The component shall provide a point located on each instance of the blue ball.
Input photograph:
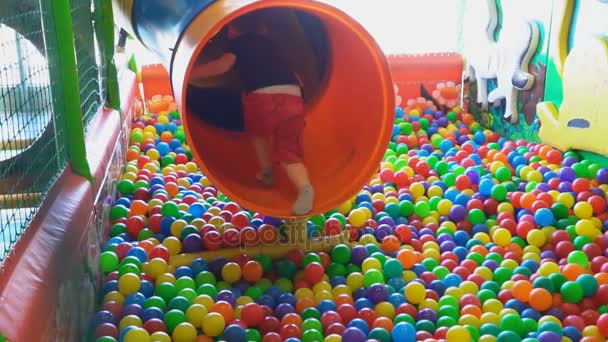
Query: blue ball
(236, 333)
(362, 303)
(267, 300)
(198, 265)
(135, 298)
(326, 305)
(197, 209)
(360, 324)
(146, 288)
(151, 313)
(288, 298)
(544, 217)
(404, 331)
(183, 271)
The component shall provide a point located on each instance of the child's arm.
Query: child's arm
(215, 67)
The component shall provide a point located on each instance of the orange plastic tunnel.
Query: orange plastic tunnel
(346, 84)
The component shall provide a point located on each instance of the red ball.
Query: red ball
(314, 272)
(252, 314)
(330, 317)
(602, 325)
(153, 325)
(580, 185)
(212, 240)
(368, 315)
(249, 236)
(160, 251)
(333, 227)
(231, 238)
(590, 316)
(347, 312)
(135, 224)
(106, 329)
(336, 328)
(601, 294)
(272, 337)
(290, 330)
(269, 324)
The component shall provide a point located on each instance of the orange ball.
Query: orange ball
(132, 155)
(471, 310)
(480, 249)
(291, 318)
(146, 245)
(166, 136)
(521, 290)
(602, 278)
(383, 322)
(252, 271)
(138, 208)
(526, 200)
(224, 309)
(203, 338)
(407, 258)
(304, 303)
(572, 271)
(540, 299)
(390, 244)
(325, 259)
(343, 299)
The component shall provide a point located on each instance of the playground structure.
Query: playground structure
(72, 219)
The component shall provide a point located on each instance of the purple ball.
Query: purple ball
(354, 335)
(387, 221)
(273, 221)
(458, 213)
(427, 314)
(425, 231)
(491, 264)
(444, 237)
(377, 293)
(597, 192)
(602, 176)
(463, 139)
(543, 187)
(192, 243)
(473, 176)
(132, 309)
(216, 265)
(442, 122)
(383, 232)
(569, 161)
(226, 296)
(549, 336)
(358, 254)
(543, 169)
(360, 293)
(564, 187)
(557, 312)
(447, 246)
(283, 309)
(567, 174)
(377, 188)
(522, 186)
(105, 317)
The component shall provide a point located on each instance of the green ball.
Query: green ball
(578, 257)
(253, 335)
(502, 274)
(170, 209)
(499, 192)
(512, 322)
(448, 300)
(446, 321)
(580, 241)
(581, 170)
(551, 326)
(503, 174)
(335, 269)
(560, 211)
(179, 303)
(491, 286)
(128, 268)
(287, 268)
(118, 211)
(392, 209)
(264, 284)
(126, 187)
(309, 313)
(205, 277)
(425, 325)
(422, 209)
(588, 283)
(318, 220)
(572, 292)
(109, 262)
(558, 280)
(406, 208)
(489, 329)
(117, 229)
(485, 295)
(166, 291)
(341, 254)
(403, 317)
(155, 302)
(392, 268)
(476, 216)
(430, 263)
(207, 289)
(379, 256)
(449, 311)
(452, 116)
(372, 277)
(145, 234)
(189, 294)
(380, 335)
(309, 258)
(530, 325)
(185, 283)
(312, 323)
(174, 318)
(131, 260)
(284, 284)
(508, 336)
(312, 335)
(254, 292)
(167, 160)
(544, 283)
(602, 309)
(265, 261)
(441, 272)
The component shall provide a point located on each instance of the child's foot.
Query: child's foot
(265, 177)
(303, 205)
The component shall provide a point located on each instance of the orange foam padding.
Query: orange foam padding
(411, 71)
(47, 283)
(349, 123)
(155, 80)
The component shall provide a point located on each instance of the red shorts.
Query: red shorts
(279, 117)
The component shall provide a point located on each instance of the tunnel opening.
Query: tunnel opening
(349, 105)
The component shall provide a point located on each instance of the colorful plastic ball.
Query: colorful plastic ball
(213, 324)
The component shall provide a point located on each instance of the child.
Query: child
(273, 107)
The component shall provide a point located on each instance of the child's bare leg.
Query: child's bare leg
(298, 174)
(261, 149)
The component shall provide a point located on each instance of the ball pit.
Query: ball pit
(462, 236)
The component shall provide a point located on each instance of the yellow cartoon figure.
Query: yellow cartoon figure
(582, 120)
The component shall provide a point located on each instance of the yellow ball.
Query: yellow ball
(114, 296)
(157, 267)
(583, 210)
(385, 309)
(195, 314)
(137, 335)
(357, 217)
(342, 289)
(591, 330)
(160, 336)
(458, 334)
(505, 207)
(242, 300)
(469, 319)
(408, 276)
(417, 190)
(304, 292)
(130, 320)
(191, 167)
(371, 263)
(435, 191)
(536, 238)
(184, 332)
(166, 278)
(333, 338)
(492, 305)
(585, 228)
(345, 207)
(469, 287)
(322, 295)
(204, 300)
(415, 292)
(429, 303)
(566, 199)
(173, 245)
(454, 292)
(548, 268)
(128, 284)
(487, 338)
(485, 272)
(231, 272)
(321, 286)
(368, 238)
(502, 237)
(213, 324)
(549, 318)
(490, 317)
